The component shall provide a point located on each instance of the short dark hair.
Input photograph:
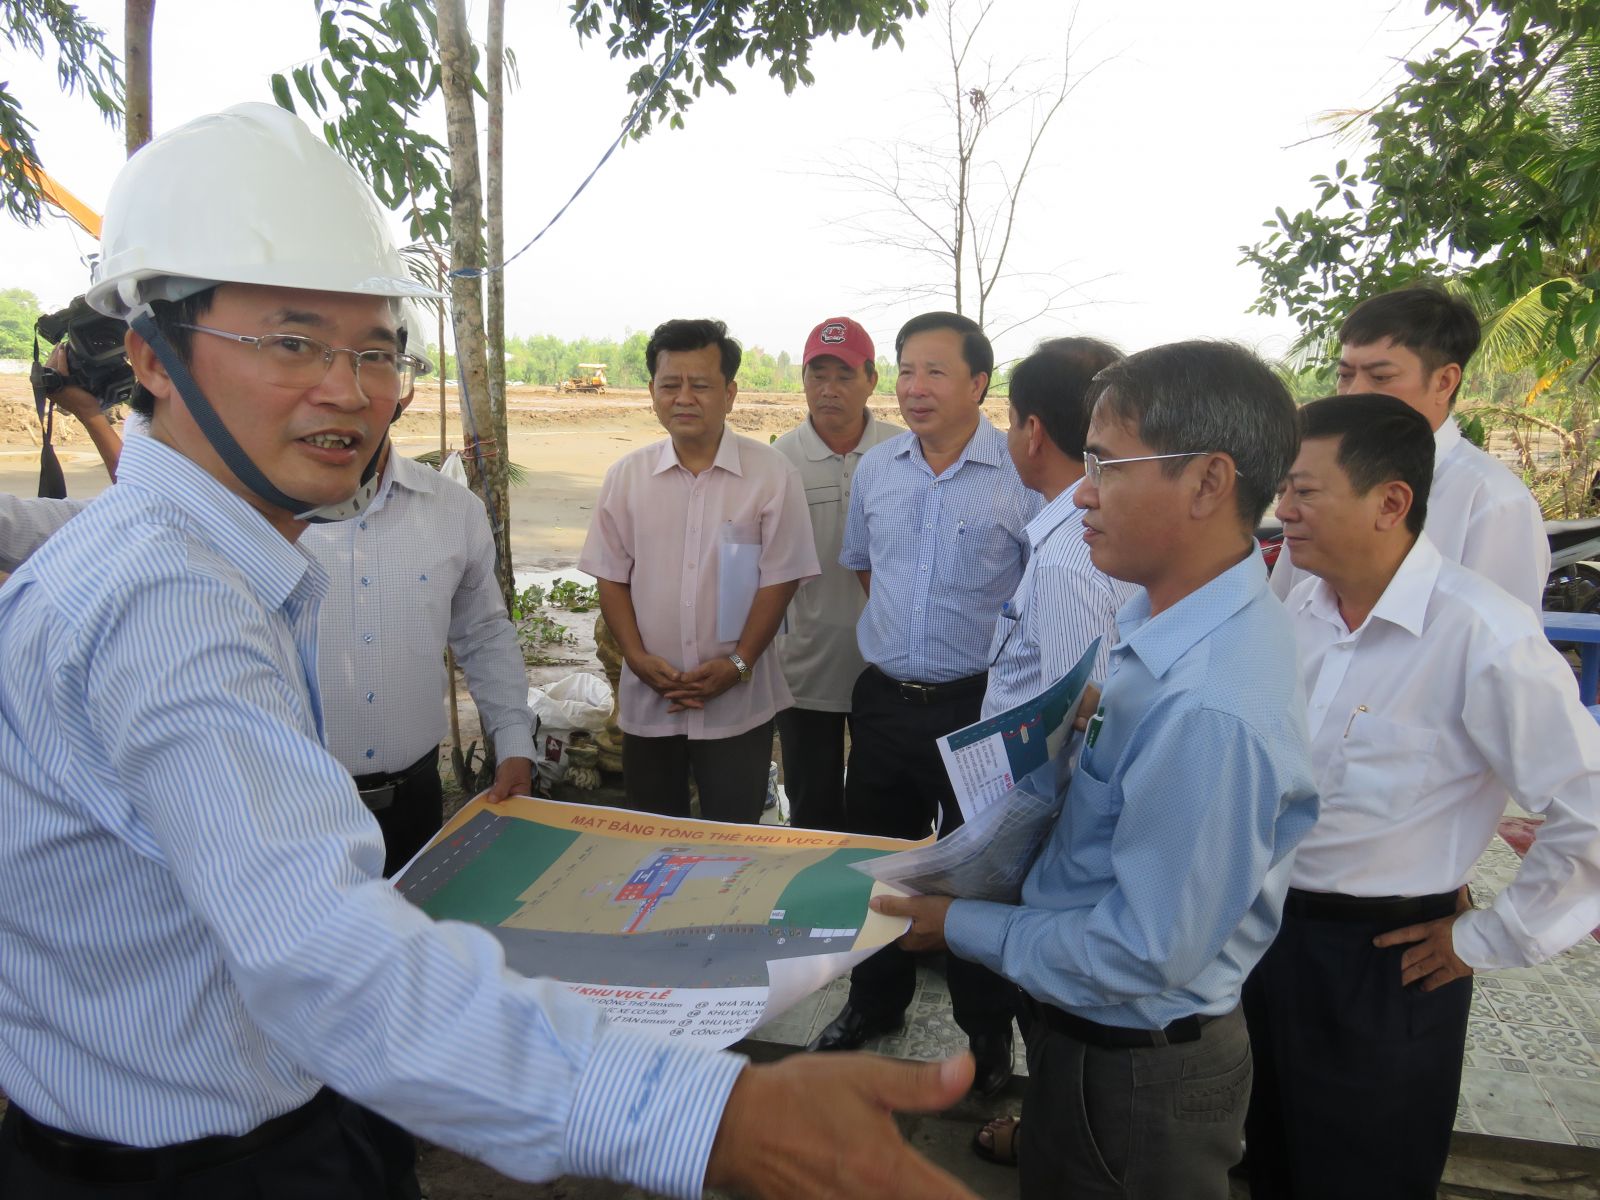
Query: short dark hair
(1207, 397)
(1434, 325)
(1051, 384)
(1381, 439)
(171, 316)
(683, 334)
(976, 351)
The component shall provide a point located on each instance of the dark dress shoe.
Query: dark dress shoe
(852, 1028)
(993, 1054)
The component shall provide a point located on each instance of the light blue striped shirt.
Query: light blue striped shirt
(1163, 881)
(945, 552)
(193, 931)
(1062, 604)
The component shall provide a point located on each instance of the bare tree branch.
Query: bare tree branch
(959, 201)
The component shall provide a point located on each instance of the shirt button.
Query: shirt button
(371, 696)
(365, 581)
(371, 753)
(362, 525)
(367, 638)
(928, 525)
(924, 567)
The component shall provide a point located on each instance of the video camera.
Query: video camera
(94, 349)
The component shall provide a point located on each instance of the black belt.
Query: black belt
(1331, 906)
(1117, 1037)
(933, 693)
(90, 1160)
(378, 790)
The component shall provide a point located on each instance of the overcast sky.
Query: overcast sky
(1167, 158)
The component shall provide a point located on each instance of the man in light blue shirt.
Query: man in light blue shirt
(935, 532)
(195, 938)
(1064, 601)
(1163, 881)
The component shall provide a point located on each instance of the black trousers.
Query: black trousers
(895, 785)
(413, 815)
(730, 772)
(1356, 1077)
(333, 1156)
(813, 766)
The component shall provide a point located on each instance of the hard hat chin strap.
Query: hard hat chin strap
(142, 321)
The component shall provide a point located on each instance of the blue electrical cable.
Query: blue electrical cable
(627, 128)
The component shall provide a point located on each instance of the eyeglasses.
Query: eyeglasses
(1093, 464)
(295, 361)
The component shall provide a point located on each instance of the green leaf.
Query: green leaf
(280, 93)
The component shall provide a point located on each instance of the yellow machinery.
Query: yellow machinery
(589, 377)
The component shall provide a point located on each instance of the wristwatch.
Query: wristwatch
(741, 666)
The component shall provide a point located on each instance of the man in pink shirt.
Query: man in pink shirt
(699, 543)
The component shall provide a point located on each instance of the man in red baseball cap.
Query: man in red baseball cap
(819, 653)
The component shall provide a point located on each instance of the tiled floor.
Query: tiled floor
(1532, 1068)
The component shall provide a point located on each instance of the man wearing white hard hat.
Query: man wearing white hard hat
(194, 933)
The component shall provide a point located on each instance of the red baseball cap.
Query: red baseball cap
(841, 338)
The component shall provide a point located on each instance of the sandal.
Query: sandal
(1005, 1133)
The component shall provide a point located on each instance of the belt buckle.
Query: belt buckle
(379, 798)
(915, 693)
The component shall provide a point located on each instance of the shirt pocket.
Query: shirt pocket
(984, 551)
(1089, 818)
(828, 493)
(1381, 765)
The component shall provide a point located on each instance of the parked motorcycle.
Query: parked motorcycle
(1574, 582)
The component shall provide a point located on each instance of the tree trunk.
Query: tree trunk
(486, 457)
(138, 18)
(497, 221)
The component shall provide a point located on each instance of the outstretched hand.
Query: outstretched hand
(821, 1125)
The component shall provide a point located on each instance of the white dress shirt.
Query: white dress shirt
(1446, 697)
(412, 574)
(1479, 515)
(1061, 605)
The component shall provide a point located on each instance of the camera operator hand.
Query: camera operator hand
(86, 408)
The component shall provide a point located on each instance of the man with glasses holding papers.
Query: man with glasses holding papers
(698, 543)
(1163, 879)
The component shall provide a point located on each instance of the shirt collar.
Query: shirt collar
(1162, 640)
(816, 450)
(987, 445)
(1404, 602)
(1445, 439)
(272, 566)
(727, 455)
(409, 473)
(406, 473)
(1051, 516)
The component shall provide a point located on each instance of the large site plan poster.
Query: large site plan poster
(693, 929)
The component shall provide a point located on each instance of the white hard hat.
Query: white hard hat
(247, 195)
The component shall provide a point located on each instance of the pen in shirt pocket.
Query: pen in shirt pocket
(1357, 711)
